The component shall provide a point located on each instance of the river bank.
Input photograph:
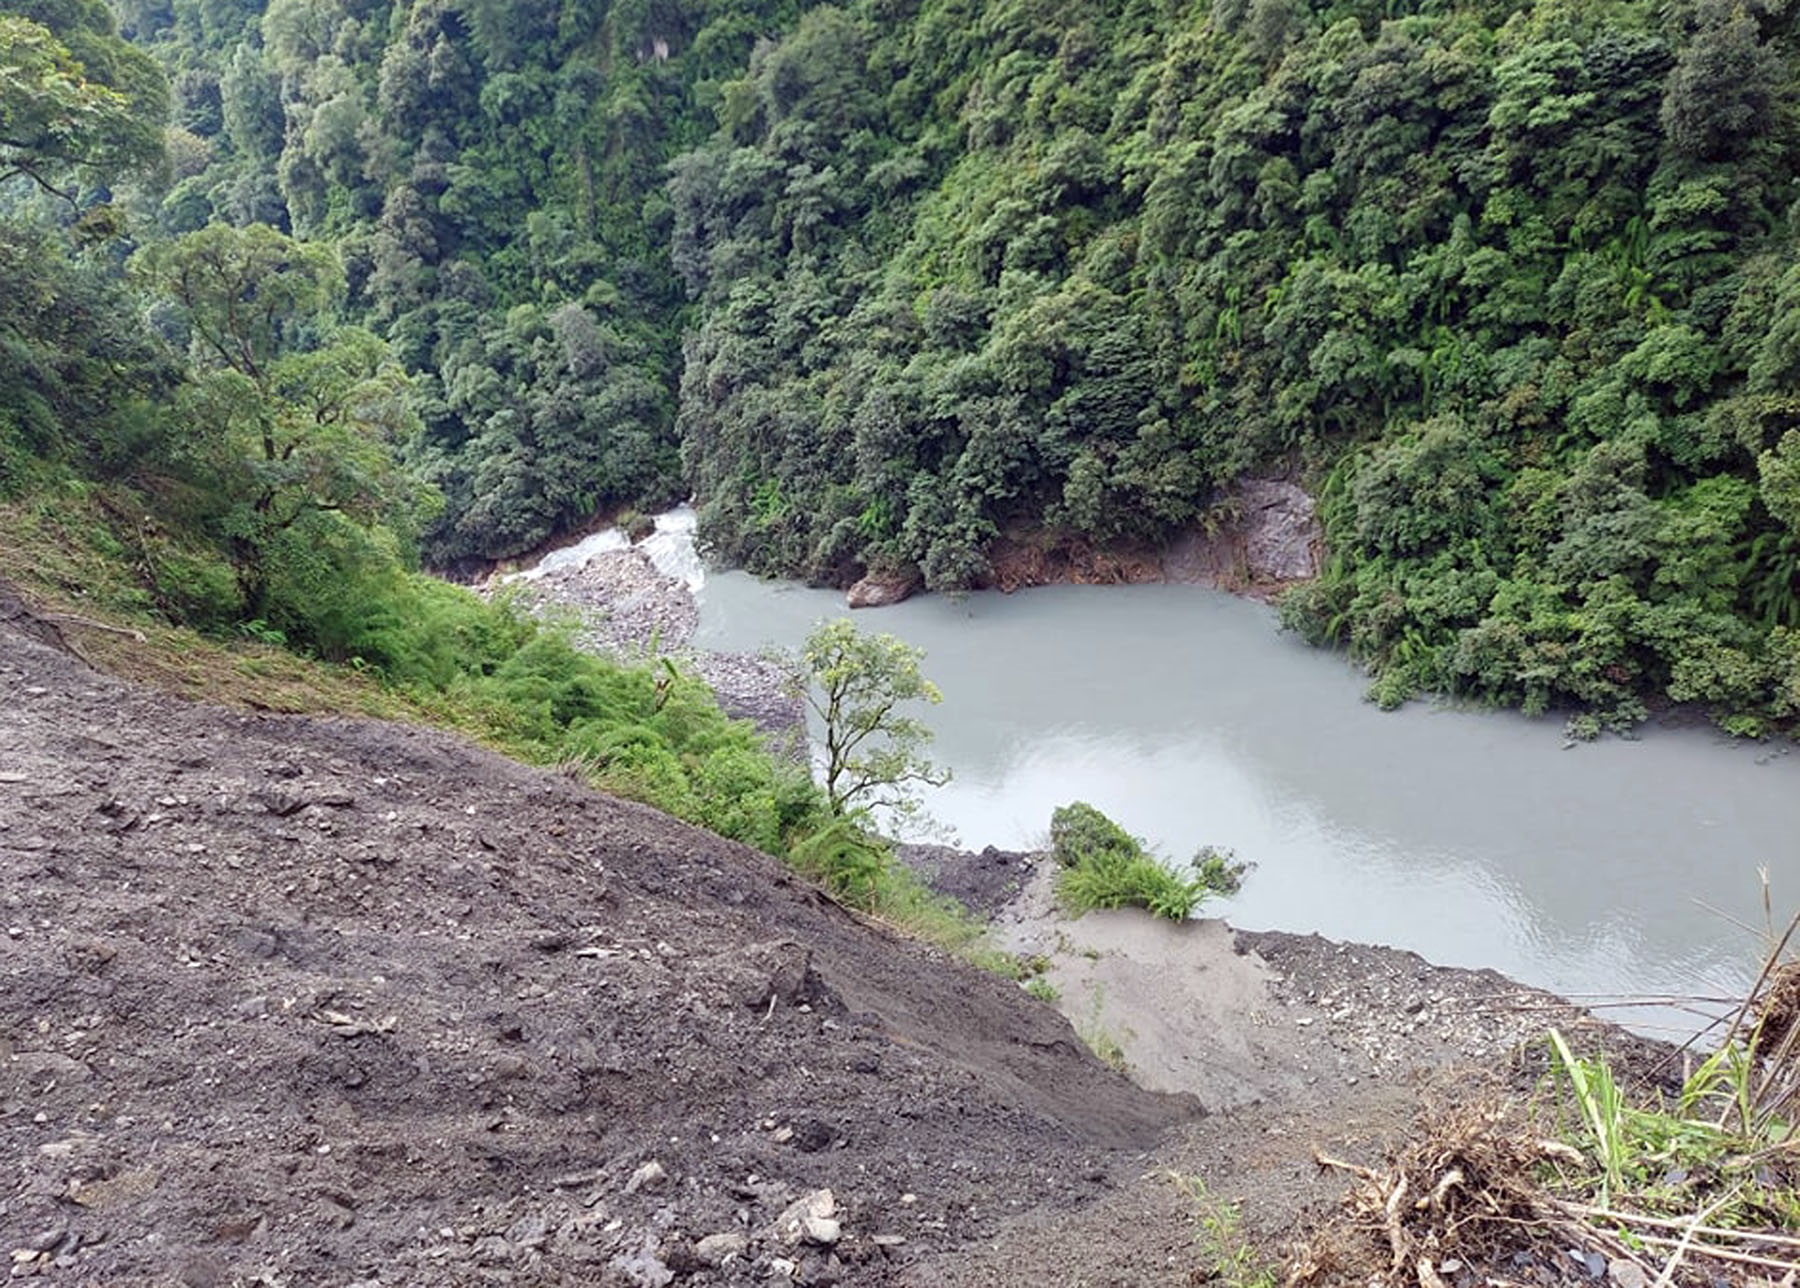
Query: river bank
(1192, 1008)
(626, 608)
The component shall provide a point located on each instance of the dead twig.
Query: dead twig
(73, 620)
(1325, 1160)
(1587, 1211)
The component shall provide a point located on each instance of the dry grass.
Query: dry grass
(1777, 1012)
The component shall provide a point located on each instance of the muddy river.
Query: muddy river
(1619, 869)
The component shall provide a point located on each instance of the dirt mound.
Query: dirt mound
(298, 1001)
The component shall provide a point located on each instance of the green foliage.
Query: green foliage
(886, 285)
(874, 752)
(1103, 866)
(847, 860)
(1710, 1156)
(635, 731)
(79, 382)
(1227, 1256)
(75, 100)
(1078, 831)
(1498, 284)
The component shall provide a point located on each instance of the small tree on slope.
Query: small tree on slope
(874, 753)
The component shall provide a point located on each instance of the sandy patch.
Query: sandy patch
(1188, 1009)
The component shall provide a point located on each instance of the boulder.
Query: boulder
(879, 589)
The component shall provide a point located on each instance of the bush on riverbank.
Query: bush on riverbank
(1104, 866)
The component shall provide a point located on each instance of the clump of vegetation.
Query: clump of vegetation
(1104, 866)
(1043, 989)
(1693, 1185)
(635, 524)
(1228, 1257)
(1102, 1041)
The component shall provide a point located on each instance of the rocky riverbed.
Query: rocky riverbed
(625, 608)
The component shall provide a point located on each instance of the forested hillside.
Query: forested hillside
(491, 175)
(1509, 286)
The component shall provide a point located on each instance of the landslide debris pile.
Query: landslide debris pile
(292, 1000)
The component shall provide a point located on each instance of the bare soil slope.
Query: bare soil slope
(297, 1001)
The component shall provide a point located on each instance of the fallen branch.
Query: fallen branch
(1723, 1254)
(1325, 1160)
(93, 625)
(1665, 1223)
(1391, 1214)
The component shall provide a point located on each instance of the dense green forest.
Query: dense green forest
(335, 285)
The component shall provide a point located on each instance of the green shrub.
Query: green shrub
(1078, 831)
(845, 859)
(1104, 866)
(193, 587)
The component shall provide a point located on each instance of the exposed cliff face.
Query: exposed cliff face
(1270, 538)
(1265, 536)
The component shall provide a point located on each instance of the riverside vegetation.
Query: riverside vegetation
(887, 280)
(1101, 865)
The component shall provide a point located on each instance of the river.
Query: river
(1606, 870)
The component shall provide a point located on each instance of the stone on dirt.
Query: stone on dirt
(718, 1249)
(811, 1218)
(648, 1176)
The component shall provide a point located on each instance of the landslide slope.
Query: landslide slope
(299, 1001)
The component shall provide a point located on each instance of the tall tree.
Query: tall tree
(76, 102)
(300, 416)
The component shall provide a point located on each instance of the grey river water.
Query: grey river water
(1475, 838)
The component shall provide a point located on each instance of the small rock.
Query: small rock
(809, 1219)
(201, 1270)
(717, 1249)
(493, 1249)
(642, 1267)
(647, 1177)
(1627, 1274)
(48, 1239)
(879, 590)
(1592, 1264)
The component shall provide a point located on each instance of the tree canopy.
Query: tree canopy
(76, 101)
(1511, 287)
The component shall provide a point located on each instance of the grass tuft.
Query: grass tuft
(1101, 865)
